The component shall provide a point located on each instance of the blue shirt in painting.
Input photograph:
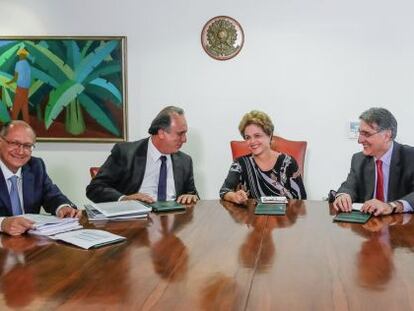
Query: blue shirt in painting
(23, 70)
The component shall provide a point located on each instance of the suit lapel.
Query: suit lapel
(4, 196)
(140, 164)
(28, 188)
(177, 169)
(395, 173)
(370, 178)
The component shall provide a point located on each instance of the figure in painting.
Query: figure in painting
(22, 77)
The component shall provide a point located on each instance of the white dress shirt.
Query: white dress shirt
(152, 174)
(7, 174)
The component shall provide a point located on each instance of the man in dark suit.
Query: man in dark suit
(24, 184)
(150, 169)
(382, 175)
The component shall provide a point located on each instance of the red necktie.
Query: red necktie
(380, 182)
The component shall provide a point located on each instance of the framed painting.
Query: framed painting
(66, 88)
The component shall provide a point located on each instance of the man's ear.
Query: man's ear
(161, 133)
(388, 134)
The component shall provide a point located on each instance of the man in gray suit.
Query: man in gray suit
(151, 169)
(382, 175)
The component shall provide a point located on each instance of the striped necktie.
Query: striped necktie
(162, 181)
(14, 196)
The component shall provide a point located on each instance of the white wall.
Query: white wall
(312, 65)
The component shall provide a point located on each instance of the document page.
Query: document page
(357, 206)
(119, 208)
(88, 238)
(41, 220)
(49, 225)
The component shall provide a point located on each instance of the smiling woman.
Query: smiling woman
(264, 172)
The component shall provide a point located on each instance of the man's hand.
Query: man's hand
(238, 197)
(16, 225)
(343, 203)
(68, 211)
(143, 197)
(376, 207)
(187, 199)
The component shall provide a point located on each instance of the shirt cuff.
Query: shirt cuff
(1, 221)
(121, 197)
(406, 206)
(339, 194)
(61, 206)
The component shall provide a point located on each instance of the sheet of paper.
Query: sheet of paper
(119, 208)
(95, 215)
(87, 238)
(40, 219)
(357, 206)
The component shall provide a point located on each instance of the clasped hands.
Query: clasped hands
(343, 203)
(185, 199)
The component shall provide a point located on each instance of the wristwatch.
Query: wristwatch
(394, 207)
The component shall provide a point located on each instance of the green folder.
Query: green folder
(354, 216)
(166, 206)
(270, 209)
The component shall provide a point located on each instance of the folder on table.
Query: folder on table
(354, 217)
(270, 209)
(166, 206)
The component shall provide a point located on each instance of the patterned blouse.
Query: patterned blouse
(283, 180)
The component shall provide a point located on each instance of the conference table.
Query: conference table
(219, 256)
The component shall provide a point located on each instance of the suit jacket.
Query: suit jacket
(361, 179)
(38, 190)
(123, 173)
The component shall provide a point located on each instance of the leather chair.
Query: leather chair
(296, 149)
(93, 171)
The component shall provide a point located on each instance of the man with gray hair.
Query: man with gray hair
(151, 169)
(382, 175)
(25, 186)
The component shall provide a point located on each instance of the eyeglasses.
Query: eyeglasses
(16, 145)
(368, 134)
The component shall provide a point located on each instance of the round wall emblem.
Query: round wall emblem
(222, 37)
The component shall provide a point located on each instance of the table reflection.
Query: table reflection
(375, 261)
(168, 252)
(258, 249)
(17, 276)
(221, 293)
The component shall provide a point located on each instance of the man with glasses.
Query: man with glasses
(382, 175)
(25, 186)
(151, 169)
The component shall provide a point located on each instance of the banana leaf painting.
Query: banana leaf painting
(66, 88)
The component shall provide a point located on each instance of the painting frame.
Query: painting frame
(77, 89)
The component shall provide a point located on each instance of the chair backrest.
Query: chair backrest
(93, 171)
(296, 149)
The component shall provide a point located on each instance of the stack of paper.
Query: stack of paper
(273, 199)
(119, 210)
(50, 225)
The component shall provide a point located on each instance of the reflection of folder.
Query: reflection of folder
(270, 209)
(354, 216)
(166, 206)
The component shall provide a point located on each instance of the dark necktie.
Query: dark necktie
(14, 196)
(380, 182)
(162, 182)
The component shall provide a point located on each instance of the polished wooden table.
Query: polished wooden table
(218, 256)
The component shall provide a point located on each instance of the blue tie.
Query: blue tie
(14, 196)
(162, 182)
